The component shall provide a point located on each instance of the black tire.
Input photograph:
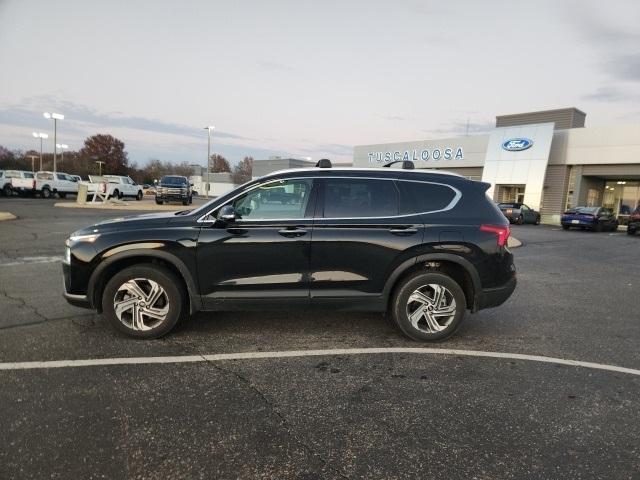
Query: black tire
(597, 227)
(7, 190)
(185, 201)
(115, 194)
(139, 196)
(538, 220)
(159, 202)
(175, 295)
(565, 227)
(46, 192)
(406, 288)
(520, 220)
(614, 227)
(631, 231)
(190, 199)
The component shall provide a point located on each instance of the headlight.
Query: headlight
(89, 238)
(67, 255)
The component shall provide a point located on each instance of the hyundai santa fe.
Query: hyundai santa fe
(422, 245)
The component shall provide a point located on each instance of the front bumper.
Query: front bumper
(172, 197)
(492, 297)
(77, 300)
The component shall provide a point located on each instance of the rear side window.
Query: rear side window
(28, 175)
(419, 197)
(358, 198)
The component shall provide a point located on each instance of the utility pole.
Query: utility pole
(55, 117)
(206, 189)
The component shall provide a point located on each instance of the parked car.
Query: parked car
(174, 188)
(634, 222)
(519, 213)
(49, 184)
(17, 182)
(426, 246)
(592, 218)
(120, 186)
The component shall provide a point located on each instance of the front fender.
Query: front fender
(117, 254)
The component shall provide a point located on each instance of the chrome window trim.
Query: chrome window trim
(453, 203)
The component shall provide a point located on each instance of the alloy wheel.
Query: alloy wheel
(141, 304)
(431, 308)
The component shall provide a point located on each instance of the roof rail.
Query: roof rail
(324, 163)
(406, 164)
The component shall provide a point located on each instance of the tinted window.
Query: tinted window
(354, 198)
(61, 176)
(28, 175)
(173, 180)
(506, 205)
(418, 197)
(284, 200)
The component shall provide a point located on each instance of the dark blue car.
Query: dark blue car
(592, 218)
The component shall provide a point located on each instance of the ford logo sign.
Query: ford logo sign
(517, 144)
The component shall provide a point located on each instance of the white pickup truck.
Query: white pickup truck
(114, 186)
(17, 181)
(51, 183)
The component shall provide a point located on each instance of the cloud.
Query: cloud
(274, 66)
(457, 128)
(610, 94)
(396, 118)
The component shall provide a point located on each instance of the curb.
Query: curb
(6, 216)
(513, 242)
(127, 206)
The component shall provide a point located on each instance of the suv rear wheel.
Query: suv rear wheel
(428, 306)
(143, 301)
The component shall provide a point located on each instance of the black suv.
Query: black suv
(174, 188)
(423, 245)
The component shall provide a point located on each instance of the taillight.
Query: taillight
(501, 231)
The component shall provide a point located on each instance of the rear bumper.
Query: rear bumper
(492, 297)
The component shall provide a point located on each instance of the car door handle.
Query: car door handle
(292, 232)
(403, 230)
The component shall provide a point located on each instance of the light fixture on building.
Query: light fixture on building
(621, 183)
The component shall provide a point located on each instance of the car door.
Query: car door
(359, 238)
(527, 214)
(264, 253)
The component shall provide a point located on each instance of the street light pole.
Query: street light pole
(62, 147)
(100, 163)
(56, 117)
(33, 158)
(208, 128)
(40, 135)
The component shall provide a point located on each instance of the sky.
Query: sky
(306, 78)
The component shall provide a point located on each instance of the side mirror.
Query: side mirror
(227, 214)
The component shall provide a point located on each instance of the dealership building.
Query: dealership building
(548, 160)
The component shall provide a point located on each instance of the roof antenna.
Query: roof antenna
(406, 164)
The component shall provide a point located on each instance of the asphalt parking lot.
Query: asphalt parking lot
(333, 414)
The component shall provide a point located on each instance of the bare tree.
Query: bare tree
(219, 164)
(242, 172)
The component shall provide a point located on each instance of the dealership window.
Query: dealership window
(349, 198)
(593, 197)
(417, 197)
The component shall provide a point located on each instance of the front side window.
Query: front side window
(358, 198)
(281, 200)
(61, 176)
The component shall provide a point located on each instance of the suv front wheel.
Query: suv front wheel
(143, 301)
(428, 306)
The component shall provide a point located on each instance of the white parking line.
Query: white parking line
(218, 357)
(30, 260)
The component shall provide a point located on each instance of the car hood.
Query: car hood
(133, 222)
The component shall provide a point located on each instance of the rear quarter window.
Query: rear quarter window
(420, 197)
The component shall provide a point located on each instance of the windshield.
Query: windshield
(173, 180)
(507, 205)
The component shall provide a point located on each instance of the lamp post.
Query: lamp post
(33, 158)
(55, 117)
(40, 135)
(62, 148)
(100, 163)
(208, 128)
